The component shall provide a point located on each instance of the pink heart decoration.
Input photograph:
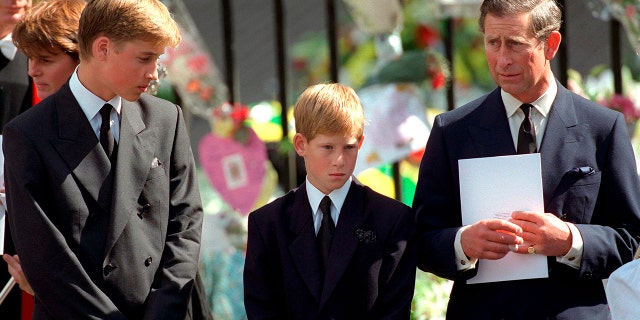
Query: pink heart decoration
(236, 171)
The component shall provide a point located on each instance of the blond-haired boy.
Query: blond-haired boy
(357, 260)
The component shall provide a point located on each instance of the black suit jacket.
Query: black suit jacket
(137, 260)
(371, 273)
(16, 89)
(604, 205)
(16, 95)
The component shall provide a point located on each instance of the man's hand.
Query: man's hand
(490, 239)
(16, 271)
(549, 235)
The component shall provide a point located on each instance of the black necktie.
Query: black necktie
(325, 234)
(527, 132)
(106, 135)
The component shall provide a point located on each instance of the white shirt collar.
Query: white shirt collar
(337, 196)
(7, 47)
(89, 102)
(542, 104)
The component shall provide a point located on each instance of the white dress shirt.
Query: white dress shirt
(7, 47)
(623, 292)
(337, 200)
(91, 105)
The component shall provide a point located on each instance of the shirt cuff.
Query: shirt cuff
(573, 258)
(463, 263)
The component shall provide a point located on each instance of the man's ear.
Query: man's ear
(100, 47)
(300, 144)
(552, 45)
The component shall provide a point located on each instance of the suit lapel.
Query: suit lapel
(344, 243)
(135, 154)
(303, 245)
(78, 145)
(560, 142)
(488, 128)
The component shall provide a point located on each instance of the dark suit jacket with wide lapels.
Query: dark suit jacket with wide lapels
(89, 252)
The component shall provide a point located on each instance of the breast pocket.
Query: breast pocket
(579, 201)
(156, 172)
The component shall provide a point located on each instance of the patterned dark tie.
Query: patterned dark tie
(527, 132)
(106, 135)
(325, 233)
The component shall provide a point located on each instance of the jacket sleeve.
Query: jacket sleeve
(261, 299)
(58, 279)
(174, 280)
(437, 209)
(613, 230)
(398, 271)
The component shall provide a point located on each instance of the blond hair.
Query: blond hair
(127, 20)
(51, 26)
(330, 108)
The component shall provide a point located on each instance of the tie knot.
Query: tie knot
(325, 205)
(105, 112)
(526, 108)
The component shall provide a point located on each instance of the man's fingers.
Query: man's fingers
(504, 226)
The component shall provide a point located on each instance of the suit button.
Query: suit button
(563, 217)
(108, 269)
(147, 262)
(144, 209)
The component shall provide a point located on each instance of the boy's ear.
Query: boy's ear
(361, 141)
(101, 47)
(300, 144)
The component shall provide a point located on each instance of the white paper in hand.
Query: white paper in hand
(492, 188)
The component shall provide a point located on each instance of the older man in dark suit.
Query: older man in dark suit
(591, 224)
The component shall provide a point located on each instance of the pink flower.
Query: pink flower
(198, 64)
(624, 105)
(630, 11)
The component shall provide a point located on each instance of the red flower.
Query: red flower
(240, 113)
(416, 156)
(438, 80)
(206, 93)
(299, 64)
(426, 36)
(193, 85)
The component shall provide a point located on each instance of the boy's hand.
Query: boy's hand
(16, 272)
